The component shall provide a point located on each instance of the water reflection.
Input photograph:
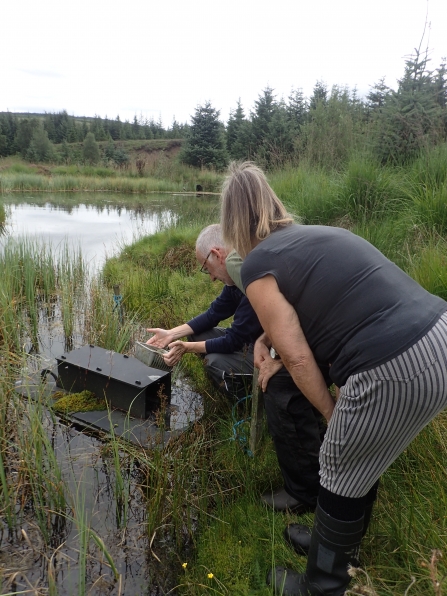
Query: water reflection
(88, 472)
(100, 225)
(98, 229)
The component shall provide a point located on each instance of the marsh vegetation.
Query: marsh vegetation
(185, 517)
(86, 515)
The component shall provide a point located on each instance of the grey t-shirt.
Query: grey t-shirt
(357, 309)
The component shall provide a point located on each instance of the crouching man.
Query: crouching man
(227, 352)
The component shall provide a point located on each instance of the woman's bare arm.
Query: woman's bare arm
(281, 324)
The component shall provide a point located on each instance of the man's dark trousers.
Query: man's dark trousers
(297, 430)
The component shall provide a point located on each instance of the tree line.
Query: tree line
(34, 137)
(325, 129)
(393, 125)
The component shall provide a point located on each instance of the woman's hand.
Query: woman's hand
(281, 324)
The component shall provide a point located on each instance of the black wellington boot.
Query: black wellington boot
(298, 535)
(334, 546)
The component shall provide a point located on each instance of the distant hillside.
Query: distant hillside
(42, 116)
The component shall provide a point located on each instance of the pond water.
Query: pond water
(88, 472)
(100, 227)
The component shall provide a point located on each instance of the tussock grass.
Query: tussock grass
(201, 490)
(308, 194)
(429, 206)
(429, 266)
(430, 169)
(366, 190)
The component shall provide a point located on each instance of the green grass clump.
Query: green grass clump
(430, 169)
(409, 519)
(429, 206)
(19, 168)
(172, 248)
(429, 266)
(159, 278)
(365, 189)
(396, 238)
(84, 401)
(308, 194)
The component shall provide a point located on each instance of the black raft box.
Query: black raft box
(126, 383)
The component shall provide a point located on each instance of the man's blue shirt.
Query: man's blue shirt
(244, 330)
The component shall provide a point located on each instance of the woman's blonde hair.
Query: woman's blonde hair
(250, 209)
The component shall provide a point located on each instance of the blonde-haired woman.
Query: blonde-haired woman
(325, 296)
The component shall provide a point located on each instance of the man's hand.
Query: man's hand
(261, 350)
(268, 367)
(176, 351)
(161, 337)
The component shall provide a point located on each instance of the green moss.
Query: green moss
(85, 401)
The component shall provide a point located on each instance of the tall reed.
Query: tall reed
(40, 473)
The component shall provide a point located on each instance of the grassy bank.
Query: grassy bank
(204, 529)
(160, 174)
(401, 211)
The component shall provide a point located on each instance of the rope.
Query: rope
(240, 437)
(117, 298)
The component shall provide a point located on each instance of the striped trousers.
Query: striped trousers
(380, 411)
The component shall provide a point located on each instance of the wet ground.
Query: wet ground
(72, 562)
(144, 565)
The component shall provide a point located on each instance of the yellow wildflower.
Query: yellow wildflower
(210, 575)
(184, 565)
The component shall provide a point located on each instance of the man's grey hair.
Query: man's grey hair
(210, 237)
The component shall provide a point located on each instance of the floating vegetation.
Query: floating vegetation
(85, 401)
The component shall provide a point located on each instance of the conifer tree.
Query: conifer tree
(66, 153)
(205, 141)
(90, 149)
(280, 138)
(412, 115)
(320, 95)
(378, 96)
(297, 108)
(3, 144)
(8, 125)
(40, 148)
(239, 137)
(440, 83)
(24, 134)
(262, 116)
(97, 128)
(262, 126)
(115, 127)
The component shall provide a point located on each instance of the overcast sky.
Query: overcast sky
(160, 58)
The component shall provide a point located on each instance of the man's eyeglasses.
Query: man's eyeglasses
(202, 268)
